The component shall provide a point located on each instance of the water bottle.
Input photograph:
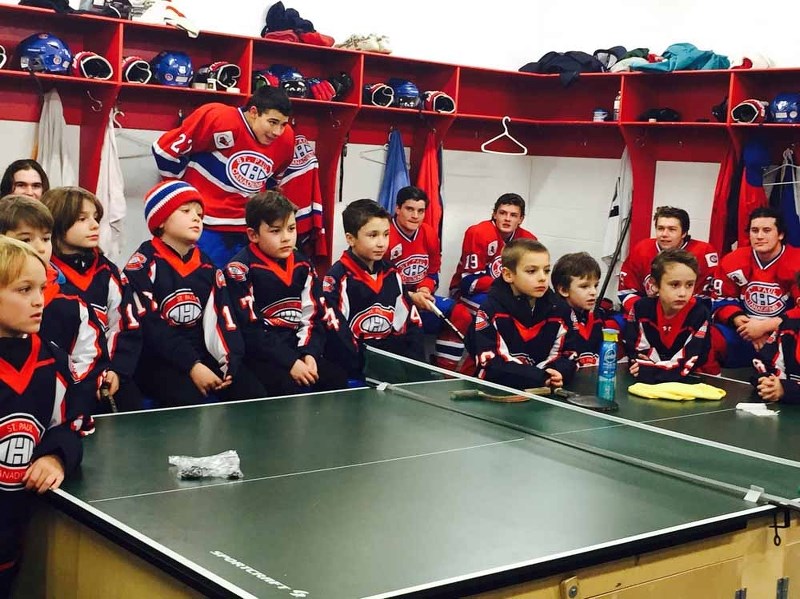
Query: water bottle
(617, 100)
(607, 368)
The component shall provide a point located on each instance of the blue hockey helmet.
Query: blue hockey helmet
(172, 68)
(290, 79)
(406, 93)
(45, 53)
(785, 108)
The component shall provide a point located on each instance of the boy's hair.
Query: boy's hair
(516, 249)
(270, 98)
(65, 204)
(672, 256)
(358, 213)
(671, 212)
(513, 199)
(267, 207)
(7, 182)
(411, 192)
(16, 211)
(766, 212)
(12, 259)
(569, 266)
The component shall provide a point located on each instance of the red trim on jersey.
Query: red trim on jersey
(81, 280)
(670, 326)
(375, 284)
(182, 268)
(585, 330)
(19, 380)
(270, 264)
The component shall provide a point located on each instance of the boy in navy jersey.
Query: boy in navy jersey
(667, 336)
(192, 344)
(40, 446)
(278, 302)
(575, 278)
(364, 294)
(521, 336)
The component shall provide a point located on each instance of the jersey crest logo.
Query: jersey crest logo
(181, 308)
(328, 283)
(587, 359)
(303, 153)
(19, 435)
(237, 271)
(373, 323)
(712, 259)
(492, 248)
(764, 299)
(396, 251)
(413, 269)
(223, 140)
(220, 278)
(136, 262)
(737, 276)
(481, 320)
(496, 267)
(248, 171)
(284, 313)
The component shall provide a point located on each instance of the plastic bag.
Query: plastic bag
(222, 465)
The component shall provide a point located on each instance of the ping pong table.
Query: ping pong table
(402, 491)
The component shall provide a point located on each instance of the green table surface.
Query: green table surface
(369, 493)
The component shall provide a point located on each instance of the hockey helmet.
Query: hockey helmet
(91, 66)
(290, 79)
(136, 70)
(406, 93)
(750, 111)
(172, 68)
(785, 108)
(3, 57)
(45, 53)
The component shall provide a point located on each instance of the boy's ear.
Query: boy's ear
(507, 274)
(350, 239)
(561, 291)
(252, 235)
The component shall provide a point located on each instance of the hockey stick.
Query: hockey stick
(614, 259)
(433, 308)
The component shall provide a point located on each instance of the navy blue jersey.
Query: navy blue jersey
(667, 349)
(186, 308)
(370, 306)
(781, 356)
(514, 341)
(278, 305)
(100, 284)
(587, 328)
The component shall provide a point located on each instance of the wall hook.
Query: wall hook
(97, 105)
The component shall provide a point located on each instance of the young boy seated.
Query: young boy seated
(192, 346)
(364, 294)
(778, 362)
(278, 302)
(39, 445)
(66, 319)
(521, 335)
(575, 278)
(667, 336)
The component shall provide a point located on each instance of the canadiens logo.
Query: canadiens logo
(395, 252)
(237, 271)
(19, 435)
(285, 313)
(220, 278)
(136, 262)
(587, 359)
(481, 320)
(373, 323)
(492, 248)
(712, 259)
(248, 171)
(413, 269)
(649, 286)
(181, 308)
(303, 153)
(737, 276)
(496, 267)
(764, 299)
(328, 284)
(523, 359)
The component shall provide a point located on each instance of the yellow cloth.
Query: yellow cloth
(677, 391)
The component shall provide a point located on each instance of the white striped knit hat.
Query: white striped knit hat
(164, 199)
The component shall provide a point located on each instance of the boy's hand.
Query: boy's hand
(309, 361)
(112, 378)
(422, 298)
(205, 380)
(301, 374)
(770, 388)
(634, 368)
(555, 380)
(45, 473)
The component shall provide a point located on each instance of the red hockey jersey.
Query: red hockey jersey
(417, 257)
(480, 262)
(744, 285)
(216, 151)
(634, 275)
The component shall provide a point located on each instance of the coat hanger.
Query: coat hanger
(364, 154)
(522, 149)
(121, 133)
(788, 153)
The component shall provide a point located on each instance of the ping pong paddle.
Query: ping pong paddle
(591, 402)
(478, 394)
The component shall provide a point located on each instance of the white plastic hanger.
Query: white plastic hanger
(364, 154)
(120, 133)
(522, 149)
(788, 153)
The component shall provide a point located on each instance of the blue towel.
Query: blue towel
(395, 177)
(685, 57)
